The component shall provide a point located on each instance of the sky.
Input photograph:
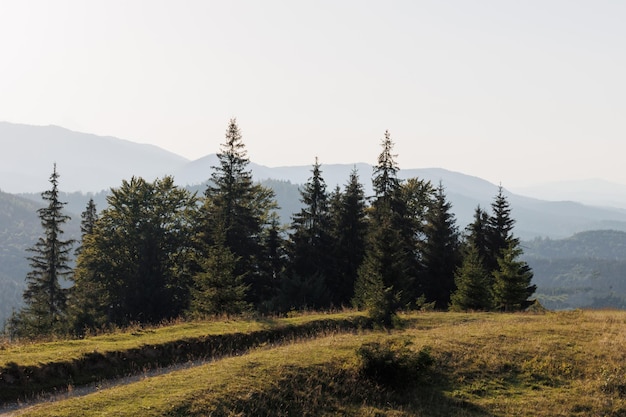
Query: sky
(515, 92)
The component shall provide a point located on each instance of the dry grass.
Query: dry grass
(554, 364)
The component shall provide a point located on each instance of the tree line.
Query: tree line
(158, 251)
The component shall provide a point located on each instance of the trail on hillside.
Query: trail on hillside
(15, 408)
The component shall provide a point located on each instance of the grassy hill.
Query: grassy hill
(439, 364)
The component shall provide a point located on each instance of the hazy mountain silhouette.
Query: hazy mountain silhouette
(85, 162)
(92, 163)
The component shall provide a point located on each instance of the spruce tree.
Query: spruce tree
(310, 253)
(473, 283)
(45, 299)
(218, 289)
(477, 234)
(499, 230)
(440, 251)
(85, 300)
(385, 276)
(512, 286)
(240, 208)
(349, 238)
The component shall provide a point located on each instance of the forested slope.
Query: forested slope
(585, 270)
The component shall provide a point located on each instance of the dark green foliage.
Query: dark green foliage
(273, 262)
(217, 289)
(386, 275)
(311, 247)
(512, 286)
(473, 284)
(45, 300)
(393, 364)
(385, 177)
(349, 231)
(499, 230)
(135, 263)
(439, 251)
(477, 234)
(237, 208)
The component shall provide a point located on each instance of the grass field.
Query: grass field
(485, 364)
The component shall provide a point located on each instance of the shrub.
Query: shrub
(393, 364)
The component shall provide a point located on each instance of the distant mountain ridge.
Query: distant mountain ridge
(85, 162)
(92, 163)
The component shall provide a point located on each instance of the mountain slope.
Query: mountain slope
(85, 162)
(584, 270)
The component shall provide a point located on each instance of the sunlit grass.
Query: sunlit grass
(486, 364)
(26, 354)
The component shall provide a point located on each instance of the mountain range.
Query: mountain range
(91, 163)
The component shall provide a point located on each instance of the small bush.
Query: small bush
(393, 363)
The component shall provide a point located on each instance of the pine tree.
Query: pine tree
(310, 242)
(512, 286)
(385, 276)
(45, 299)
(85, 300)
(477, 234)
(239, 207)
(88, 222)
(499, 230)
(273, 264)
(349, 237)
(218, 289)
(473, 283)
(440, 251)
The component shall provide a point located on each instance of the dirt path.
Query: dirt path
(16, 408)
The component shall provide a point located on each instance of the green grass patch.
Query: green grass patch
(569, 363)
(75, 363)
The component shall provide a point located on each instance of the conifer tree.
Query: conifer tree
(217, 288)
(440, 251)
(310, 242)
(473, 283)
(349, 237)
(273, 264)
(84, 301)
(477, 234)
(385, 278)
(45, 299)
(240, 208)
(512, 286)
(499, 230)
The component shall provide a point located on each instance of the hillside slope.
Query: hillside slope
(85, 162)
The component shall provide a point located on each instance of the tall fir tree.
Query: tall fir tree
(385, 276)
(477, 234)
(46, 309)
(349, 238)
(499, 230)
(238, 208)
(310, 253)
(440, 251)
(84, 301)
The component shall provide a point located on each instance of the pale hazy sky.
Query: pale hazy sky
(517, 92)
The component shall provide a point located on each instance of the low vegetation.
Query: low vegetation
(461, 364)
(31, 369)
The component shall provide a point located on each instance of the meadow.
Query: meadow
(469, 364)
